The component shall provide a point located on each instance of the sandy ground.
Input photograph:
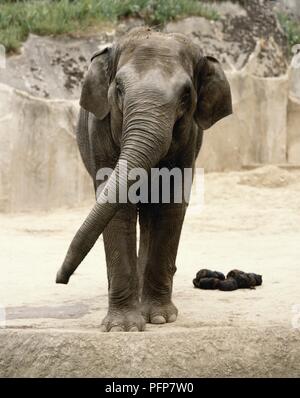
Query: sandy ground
(250, 221)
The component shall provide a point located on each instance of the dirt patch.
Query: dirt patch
(268, 177)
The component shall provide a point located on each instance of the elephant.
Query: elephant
(146, 99)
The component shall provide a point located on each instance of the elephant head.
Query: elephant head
(151, 86)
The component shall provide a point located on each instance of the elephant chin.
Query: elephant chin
(140, 150)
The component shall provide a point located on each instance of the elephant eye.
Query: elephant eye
(186, 95)
(119, 88)
(119, 93)
(185, 99)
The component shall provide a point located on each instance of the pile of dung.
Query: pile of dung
(235, 279)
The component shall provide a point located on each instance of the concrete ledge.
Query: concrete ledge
(208, 352)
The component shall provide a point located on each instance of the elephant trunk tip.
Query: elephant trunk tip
(62, 277)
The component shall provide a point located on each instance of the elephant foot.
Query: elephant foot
(123, 321)
(157, 313)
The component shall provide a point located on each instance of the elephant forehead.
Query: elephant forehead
(158, 52)
(153, 81)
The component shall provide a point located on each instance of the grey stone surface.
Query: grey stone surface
(209, 352)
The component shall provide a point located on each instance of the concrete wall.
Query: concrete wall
(40, 166)
(294, 85)
(257, 130)
(293, 130)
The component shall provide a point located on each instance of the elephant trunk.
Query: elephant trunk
(142, 147)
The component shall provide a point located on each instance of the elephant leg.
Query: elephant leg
(120, 249)
(163, 239)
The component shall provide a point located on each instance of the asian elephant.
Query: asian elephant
(146, 100)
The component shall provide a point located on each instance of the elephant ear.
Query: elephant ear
(213, 93)
(95, 86)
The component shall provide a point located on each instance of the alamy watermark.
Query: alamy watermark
(160, 185)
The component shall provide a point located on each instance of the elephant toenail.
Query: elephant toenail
(158, 319)
(116, 329)
(172, 318)
(133, 329)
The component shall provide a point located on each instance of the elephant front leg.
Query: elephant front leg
(164, 233)
(124, 312)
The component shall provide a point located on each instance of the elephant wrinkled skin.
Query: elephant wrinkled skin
(146, 99)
